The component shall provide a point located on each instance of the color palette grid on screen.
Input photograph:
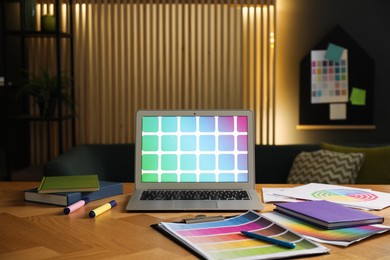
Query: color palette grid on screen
(194, 149)
(223, 239)
(329, 79)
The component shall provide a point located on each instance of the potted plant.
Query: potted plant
(43, 87)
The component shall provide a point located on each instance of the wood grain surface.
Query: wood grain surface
(37, 231)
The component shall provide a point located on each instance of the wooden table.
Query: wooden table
(36, 231)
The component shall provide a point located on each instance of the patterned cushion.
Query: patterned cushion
(325, 166)
(376, 166)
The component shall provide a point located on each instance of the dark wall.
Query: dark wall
(301, 24)
(2, 101)
(14, 134)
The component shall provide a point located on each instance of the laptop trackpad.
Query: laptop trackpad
(190, 204)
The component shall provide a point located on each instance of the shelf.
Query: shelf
(32, 139)
(39, 118)
(38, 34)
(336, 127)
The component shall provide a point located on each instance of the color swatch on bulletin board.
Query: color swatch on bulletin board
(329, 79)
(334, 52)
(223, 239)
(358, 97)
(359, 73)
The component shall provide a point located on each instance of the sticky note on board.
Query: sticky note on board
(358, 97)
(338, 111)
(334, 52)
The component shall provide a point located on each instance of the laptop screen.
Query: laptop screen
(194, 149)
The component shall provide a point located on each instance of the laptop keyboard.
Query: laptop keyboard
(194, 195)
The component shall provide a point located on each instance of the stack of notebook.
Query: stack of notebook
(328, 215)
(66, 190)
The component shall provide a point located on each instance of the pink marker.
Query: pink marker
(76, 205)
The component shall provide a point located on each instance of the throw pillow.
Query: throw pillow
(324, 166)
(376, 166)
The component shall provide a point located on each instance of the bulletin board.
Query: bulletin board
(337, 84)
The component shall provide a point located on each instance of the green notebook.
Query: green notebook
(76, 183)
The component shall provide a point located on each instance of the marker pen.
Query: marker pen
(76, 205)
(103, 208)
(269, 239)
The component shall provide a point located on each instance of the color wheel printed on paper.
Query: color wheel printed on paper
(344, 195)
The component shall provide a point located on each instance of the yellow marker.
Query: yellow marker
(103, 208)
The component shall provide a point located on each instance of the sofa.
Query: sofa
(115, 162)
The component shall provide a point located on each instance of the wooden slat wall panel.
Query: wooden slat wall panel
(176, 54)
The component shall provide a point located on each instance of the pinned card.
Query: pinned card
(358, 97)
(334, 52)
(338, 111)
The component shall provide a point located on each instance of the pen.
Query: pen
(102, 208)
(76, 205)
(269, 239)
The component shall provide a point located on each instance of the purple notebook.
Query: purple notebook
(328, 215)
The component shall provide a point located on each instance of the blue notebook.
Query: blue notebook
(107, 189)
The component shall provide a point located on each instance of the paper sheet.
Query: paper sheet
(338, 111)
(351, 197)
(270, 195)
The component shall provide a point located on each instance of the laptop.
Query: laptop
(194, 161)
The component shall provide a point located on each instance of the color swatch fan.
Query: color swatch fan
(224, 240)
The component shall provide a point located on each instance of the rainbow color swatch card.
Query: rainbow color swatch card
(329, 78)
(223, 239)
(339, 237)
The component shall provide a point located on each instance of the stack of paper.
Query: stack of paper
(328, 215)
(339, 237)
(351, 197)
